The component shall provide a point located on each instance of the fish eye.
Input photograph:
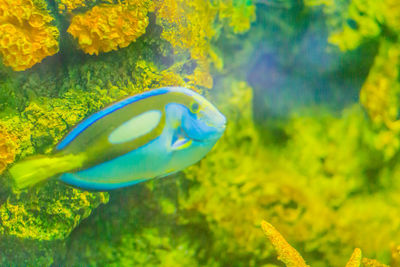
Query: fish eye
(194, 107)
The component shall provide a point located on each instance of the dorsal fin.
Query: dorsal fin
(104, 112)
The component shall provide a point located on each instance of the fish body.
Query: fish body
(149, 135)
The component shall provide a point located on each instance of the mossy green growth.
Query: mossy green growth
(50, 213)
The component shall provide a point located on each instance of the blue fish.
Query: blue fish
(145, 136)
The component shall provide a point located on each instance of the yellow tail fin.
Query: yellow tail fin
(37, 169)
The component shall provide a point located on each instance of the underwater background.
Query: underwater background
(311, 91)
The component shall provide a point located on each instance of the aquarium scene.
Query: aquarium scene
(200, 133)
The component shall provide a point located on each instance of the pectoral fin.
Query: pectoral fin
(180, 140)
(181, 143)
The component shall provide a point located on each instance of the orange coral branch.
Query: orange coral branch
(8, 148)
(355, 259)
(286, 253)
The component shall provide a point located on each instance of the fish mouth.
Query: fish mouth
(186, 135)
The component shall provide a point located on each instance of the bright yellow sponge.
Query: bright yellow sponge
(8, 148)
(26, 34)
(105, 28)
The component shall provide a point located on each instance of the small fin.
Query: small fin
(180, 140)
(181, 143)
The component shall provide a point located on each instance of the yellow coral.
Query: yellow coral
(70, 5)
(379, 95)
(291, 258)
(379, 91)
(286, 253)
(187, 25)
(365, 17)
(395, 255)
(8, 148)
(391, 13)
(105, 28)
(372, 263)
(239, 13)
(26, 218)
(355, 259)
(26, 34)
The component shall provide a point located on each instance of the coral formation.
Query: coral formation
(379, 95)
(68, 5)
(286, 253)
(362, 23)
(27, 35)
(358, 21)
(51, 214)
(189, 27)
(105, 28)
(379, 92)
(291, 258)
(355, 259)
(239, 13)
(372, 263)
(8, 148)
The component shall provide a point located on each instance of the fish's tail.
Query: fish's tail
(37, 169)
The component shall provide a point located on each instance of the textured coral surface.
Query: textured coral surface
(27, 36)
(105, 28)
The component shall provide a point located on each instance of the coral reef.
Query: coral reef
(27, 35)
(107, 27)
(325, 178)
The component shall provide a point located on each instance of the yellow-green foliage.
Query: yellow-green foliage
(189, 27)
(354, 22)
(361, 23)
(48, 214)
(161, 251)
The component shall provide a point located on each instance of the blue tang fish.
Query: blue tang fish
(145, 136)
